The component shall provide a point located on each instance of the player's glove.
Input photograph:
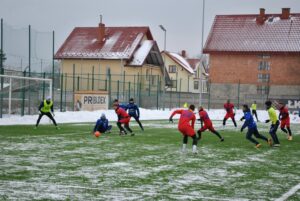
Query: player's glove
(267, 121)
(170, 119)
(242, 129)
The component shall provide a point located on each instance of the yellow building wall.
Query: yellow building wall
(187, 79)
(84, 69)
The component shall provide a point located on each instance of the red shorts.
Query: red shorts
(207, 126)
(285, 123)
(187, 130)
(229, 115)
(125, 120)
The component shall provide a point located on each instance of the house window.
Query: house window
(174, 83)
(264, 56)
(264, 65)
(263, 78)
(172, 69)
(196, 84)
(263, 89)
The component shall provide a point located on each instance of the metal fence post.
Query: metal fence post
(129, 91)
(93, 72)
(44, 76)
(73, 86)
(179, 93)
(61, 90)
(239, 84)
(109, 92)
(208, 105)
(118, 89)
(88, 82)
(66, 79)
(123, 84)
(157, 92)
(1, 69)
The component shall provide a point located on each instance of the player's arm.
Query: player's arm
(52, 110)
(96, 126)
(137, 110)
(41, 105)
(246, 123)
(173, 114)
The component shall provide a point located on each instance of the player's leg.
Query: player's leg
(258, 135)
(122, 130)
(233, 120)
(126, 125)
(199, 132)
(212, 129)
(289, 129)
(195, 142)
(108, 129)
(249, 136)
(39, 119)
(184, 142)
(138, 121)
(189, 131)
(273, 134)
(282, 126)
(48, 114)
(225, 119)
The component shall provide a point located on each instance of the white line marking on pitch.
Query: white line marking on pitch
(288, 194)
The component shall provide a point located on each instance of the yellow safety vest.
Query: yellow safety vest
(47, 107)
(253, 106)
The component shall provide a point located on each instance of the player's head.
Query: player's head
(103, 117)
(268, 104)
(200, 109)
(116, 106)
(254, 102)
(228, 100)
(280, 105)
(116, 101)
(131, 100)
(246, 108)
(48, 99)
(192, 107)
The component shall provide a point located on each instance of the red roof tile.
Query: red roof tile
(120, 43)
(241, 33)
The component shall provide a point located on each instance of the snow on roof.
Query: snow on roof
(119, 43)
(241, 33)
(141, 54)
(181, 61)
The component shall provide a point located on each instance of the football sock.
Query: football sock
(217, 134)
(290, 132)
(284, 130)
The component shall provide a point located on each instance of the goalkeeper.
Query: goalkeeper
(46, 108)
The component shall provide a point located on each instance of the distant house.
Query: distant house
(261, 52)
(185, 73)
(122, 54)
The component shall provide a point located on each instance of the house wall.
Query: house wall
(187, 79)
(227, 71)
(84, 69)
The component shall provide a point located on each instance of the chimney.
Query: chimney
(183, 53)
(101, 31)
(285, 14)
(260, 19)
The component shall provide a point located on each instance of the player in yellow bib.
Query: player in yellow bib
(274, 123)
(45, 108)
(254, 112)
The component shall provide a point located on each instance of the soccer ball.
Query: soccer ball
(97, 134)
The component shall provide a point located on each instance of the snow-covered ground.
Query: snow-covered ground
(84, 116)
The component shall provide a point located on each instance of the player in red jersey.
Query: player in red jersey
(284, 118)
(123, 118)
(204, 118)
(185, 127)
(229, 107)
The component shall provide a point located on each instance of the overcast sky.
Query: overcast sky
(181, 18)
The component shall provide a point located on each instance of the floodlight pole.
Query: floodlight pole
(164, 72)
(200, 76)
(1, 69)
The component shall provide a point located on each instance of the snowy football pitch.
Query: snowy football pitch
(71, 164)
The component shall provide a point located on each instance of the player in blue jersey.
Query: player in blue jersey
(133, 111)
(102, 125)
(252, 128)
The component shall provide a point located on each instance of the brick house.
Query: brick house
(257, 55)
